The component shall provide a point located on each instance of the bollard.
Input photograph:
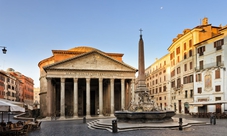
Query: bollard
(84, 119)
(180, 124)
(212, 119)
(114, 126)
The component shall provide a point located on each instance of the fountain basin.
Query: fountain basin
(143, 117)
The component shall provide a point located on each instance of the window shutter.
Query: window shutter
(215, 44)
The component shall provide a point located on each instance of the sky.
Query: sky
(31, 29)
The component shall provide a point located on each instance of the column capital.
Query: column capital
(100, 79)
(88, 79)
(111, 79)
(48, 78)
(133, 80)
(75, 80)
(62, 80)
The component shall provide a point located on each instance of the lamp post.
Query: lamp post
(4, 49)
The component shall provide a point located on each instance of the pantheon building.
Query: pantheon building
(84, 81)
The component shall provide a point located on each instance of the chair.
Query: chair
(24, 130)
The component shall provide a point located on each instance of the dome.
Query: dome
(83, 49)
(10, 70)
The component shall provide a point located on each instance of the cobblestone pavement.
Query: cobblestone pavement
(78, 128)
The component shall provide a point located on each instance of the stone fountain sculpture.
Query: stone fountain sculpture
(143, 108)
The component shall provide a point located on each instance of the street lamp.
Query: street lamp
(4, 49)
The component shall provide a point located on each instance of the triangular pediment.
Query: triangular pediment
(94, 60)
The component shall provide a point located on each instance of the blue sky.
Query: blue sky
(30, 29)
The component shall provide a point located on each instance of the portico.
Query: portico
(92, 84)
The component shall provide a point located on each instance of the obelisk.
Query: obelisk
(141, 86)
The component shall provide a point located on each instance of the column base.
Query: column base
(101, 115)
(48, 118)
(112, 115)
(75, 117)
(62, 118)
(88, 116)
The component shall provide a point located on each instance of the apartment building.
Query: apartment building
(210, 72)
(182, 63)
(157, 81)
(15, 86)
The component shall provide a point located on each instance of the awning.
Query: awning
(207, 103)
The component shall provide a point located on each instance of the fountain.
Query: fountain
(143, 108)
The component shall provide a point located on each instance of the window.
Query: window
(173, 84)
(178, 50)
(199, 90)
(218, 60)
(156, 90)
(164, 63)
(190, 78)
(185, 46)
(190, 43)
(198, 77)
(190, 53)
(185, 55)
(190, 65)
(178, 58)
(217, 73)
(160, 89)
(160, 98)
(173, 73)
(201, 50)
(218, 44)
(185, 80)
(217, 98)
(191, 93)
(217, 88)
(164, 88)
(186, 94)
(201, 64)
(178, 70)
(185, 67)
(178, 83)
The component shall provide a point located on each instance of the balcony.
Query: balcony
(210, 65)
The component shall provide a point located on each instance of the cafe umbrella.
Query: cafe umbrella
(9, 107)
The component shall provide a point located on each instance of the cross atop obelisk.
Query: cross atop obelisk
(140, 31)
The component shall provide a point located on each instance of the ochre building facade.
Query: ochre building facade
(84, 81)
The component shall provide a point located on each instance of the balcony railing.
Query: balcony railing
(210, 65)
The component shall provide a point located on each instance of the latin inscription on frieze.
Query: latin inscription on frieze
(93, 74)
